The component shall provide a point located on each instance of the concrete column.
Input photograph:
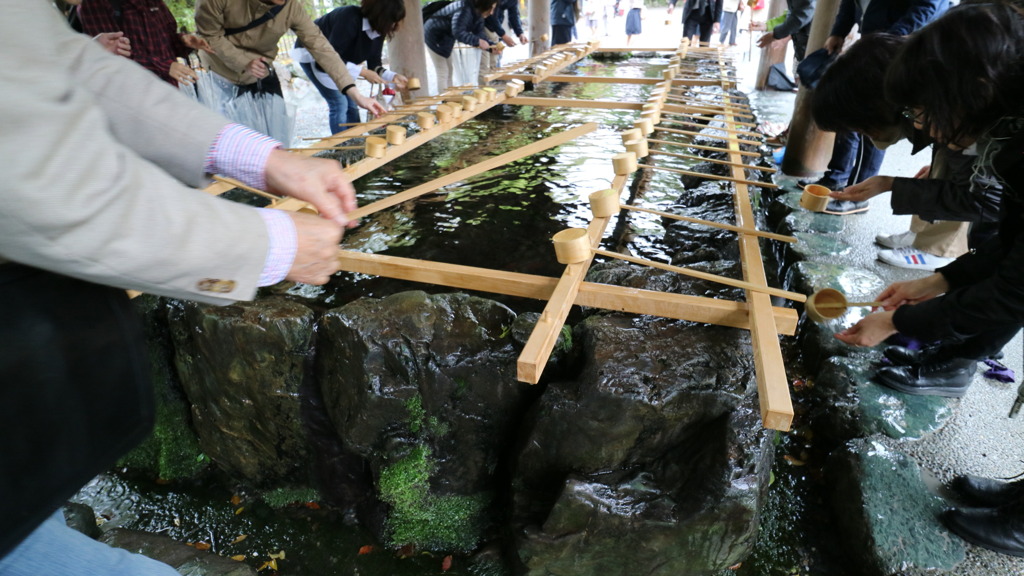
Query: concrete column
(809, 149)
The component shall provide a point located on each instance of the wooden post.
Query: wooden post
(808, 149)
(406, 52)
(539, 32)
(773, 54)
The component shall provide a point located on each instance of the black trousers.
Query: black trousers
(74, 380)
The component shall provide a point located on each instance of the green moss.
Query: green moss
(416, 413)
(424, 519)
(172, 451)
(565, 339)
(281, 497)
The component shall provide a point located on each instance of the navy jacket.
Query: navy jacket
(511, 8)
(900, 17)
(715, 7)
(562, 13)
(456, 21)
(343, 28)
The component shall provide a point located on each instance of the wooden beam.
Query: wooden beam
(702, 134)
(480, 167)
(689, 109)
(587, 79)
(571, 103)
(722, 128)
(770, 369)
(712, 160)
(711, 176)
(702, 147)
(721, 225)
(605, 296)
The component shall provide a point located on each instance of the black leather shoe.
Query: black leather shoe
(842, 207)
(949, 378)
(902, 356)
(999, 529)
(986, 492)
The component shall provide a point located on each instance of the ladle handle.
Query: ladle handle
(795, 296)
(847, 305)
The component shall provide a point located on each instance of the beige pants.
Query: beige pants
(944, 238)
(488, 62)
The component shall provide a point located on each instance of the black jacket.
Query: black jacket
(987, 286)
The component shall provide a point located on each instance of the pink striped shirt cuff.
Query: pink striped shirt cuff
(284, 243)
(241, 153)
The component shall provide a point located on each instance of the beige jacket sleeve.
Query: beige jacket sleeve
(235, 52)
(93, 148)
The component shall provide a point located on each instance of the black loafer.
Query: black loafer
(1000, 529)
(986, 492)
(949, 378)
(842, 207)
(902, 356)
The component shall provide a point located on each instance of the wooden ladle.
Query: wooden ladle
(828, 304)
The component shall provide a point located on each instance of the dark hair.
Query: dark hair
(481, 6)
(963, 70)
(384, 16)
(849, 96)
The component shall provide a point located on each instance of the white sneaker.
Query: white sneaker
(904, 240)
(913, 259)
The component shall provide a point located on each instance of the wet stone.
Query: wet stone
(885, 511)
(850, 405)
(187, 560)
(818, 246)
(246, 406)
(650, 461)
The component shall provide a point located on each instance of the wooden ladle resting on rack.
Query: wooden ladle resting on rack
(828, 304)
(572, 246)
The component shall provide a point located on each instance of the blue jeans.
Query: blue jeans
(340, 108)
(53, 549)
(729, 24)
(854, 159)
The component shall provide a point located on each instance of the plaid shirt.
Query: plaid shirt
(148, 24)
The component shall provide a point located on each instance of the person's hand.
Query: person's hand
(483, 44)
(833, 44)
(371, 76)
(258, 68)
(317, 256)
(864, 190)
(913, 291)
(923, 172)
(182, 73)
(401, 82)
(715, 29)
(197, 43)
(671, 7)
(870, 331)
(319, 181)
(115, 43)
(522, 39)
(367, 103)
(509, 40)
(767, 39)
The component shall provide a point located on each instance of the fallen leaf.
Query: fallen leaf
(278, 556)
(446, 564)
(271, 564)
(366, 549)
(239, 511)
(202, 546)
(238, 557)
(736, 566)
(793, 461)
(236, 500)
(240, 538)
